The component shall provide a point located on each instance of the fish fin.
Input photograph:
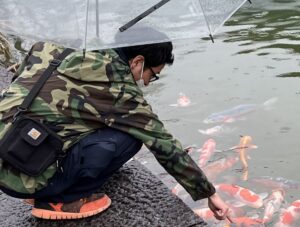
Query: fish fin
(232, 148)
(252, 146)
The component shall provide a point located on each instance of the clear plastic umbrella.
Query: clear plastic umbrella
(100, 24)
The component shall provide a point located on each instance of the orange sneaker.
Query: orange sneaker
(29, 201)
(82, 208)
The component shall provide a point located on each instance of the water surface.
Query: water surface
(255, 58)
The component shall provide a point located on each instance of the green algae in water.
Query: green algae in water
(287, 75)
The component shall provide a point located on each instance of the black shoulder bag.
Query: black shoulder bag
(29, 146)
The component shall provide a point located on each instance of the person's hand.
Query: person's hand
(219, 207)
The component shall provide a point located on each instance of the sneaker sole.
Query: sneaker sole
(29, 201)
(56, 215)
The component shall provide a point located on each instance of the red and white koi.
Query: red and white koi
(277, 182)
(215, 131)
(290, 216)
(215, 168)
(211, 131)
(273, 204)
(182, 101)
(207, 151)
(205, 213)
(243, 195)
(247, 221)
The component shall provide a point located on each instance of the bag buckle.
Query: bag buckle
(55, 62)
(19, 111)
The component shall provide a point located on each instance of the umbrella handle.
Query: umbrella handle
(143, 15)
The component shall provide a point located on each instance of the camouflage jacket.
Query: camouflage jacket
(84, 95)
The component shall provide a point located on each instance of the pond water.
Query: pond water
(254, 60)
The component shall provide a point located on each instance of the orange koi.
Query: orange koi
(245, 143)
(207, 150)
(243, 195)
(290, 215)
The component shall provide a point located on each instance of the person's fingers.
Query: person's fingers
(229, 216)
(222, 214)
(230, 219)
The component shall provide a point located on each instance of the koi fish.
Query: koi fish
(277, 182)
(215, 168)
(273, 204)
(290, 215)
(243, 195)
(215, 131)
(182, 101)
(206, 214)
(247, 221)
(245, 143)
(207, 151)
(236, 112)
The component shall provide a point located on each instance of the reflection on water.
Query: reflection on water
(272, 22)
(277, 26)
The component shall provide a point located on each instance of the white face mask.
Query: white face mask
(141, 82)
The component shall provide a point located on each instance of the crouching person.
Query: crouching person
(95, 105)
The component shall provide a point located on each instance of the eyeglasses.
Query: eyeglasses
(154, 77)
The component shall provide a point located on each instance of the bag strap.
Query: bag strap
(40, 83)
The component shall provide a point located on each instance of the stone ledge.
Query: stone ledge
(138, 199)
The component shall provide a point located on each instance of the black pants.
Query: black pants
(87, 166)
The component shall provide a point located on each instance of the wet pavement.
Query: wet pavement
(138, 199)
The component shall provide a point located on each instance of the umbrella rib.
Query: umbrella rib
(207, 24)
(143, 15)
(231, 14)
(86, 26)
(97, 18)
